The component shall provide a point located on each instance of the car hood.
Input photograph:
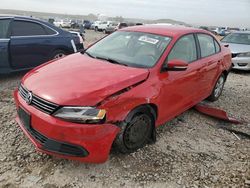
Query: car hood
(238, 48)
(81, 80)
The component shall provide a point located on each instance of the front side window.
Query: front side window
(135, 49)
(25, 28)
(207, 45)
(184, 49)
(4, 27)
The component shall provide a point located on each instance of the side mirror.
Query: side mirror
(175, 65)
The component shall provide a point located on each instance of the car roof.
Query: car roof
(23, 17)
(2, 16)
(171, 31)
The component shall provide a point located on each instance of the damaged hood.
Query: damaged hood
(81, 80)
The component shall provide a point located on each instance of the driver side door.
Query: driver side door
(182, 89)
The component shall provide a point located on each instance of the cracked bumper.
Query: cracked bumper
(92, 141)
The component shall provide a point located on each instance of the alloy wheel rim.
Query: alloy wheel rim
(219, 86)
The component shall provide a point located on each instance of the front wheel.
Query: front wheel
(218, 88)
(135, 134)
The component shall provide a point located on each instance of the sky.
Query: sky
(232, 13)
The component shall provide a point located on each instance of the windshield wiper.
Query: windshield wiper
(111, 61)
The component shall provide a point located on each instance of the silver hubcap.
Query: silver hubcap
(219, 87)
(60, 55)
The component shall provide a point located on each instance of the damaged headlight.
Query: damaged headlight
(81, 114)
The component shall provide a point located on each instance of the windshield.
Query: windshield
(134, 49)
(237, 38)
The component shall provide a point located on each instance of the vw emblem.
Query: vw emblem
(28, 98)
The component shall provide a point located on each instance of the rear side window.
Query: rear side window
(217, 46)
(49, 31)
(207, 45)
(184, 49)
(4, 27)
(25, 28)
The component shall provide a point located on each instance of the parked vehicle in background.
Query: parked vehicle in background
(62, 23)
(115, 26)
(26, 43)
(95, 24)
(239, 43)
(75, 24)
(222, 31)
(51, 20)
(72, 107)
(87, 24)
(81, 37)
(103, 25)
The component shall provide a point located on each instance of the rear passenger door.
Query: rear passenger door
(4, 43)
(30, 44)
(209, 55)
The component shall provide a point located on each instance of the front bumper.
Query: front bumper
(83, 142)
(241, 63)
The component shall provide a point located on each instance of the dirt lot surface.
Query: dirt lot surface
(191, 150)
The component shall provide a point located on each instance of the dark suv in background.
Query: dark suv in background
(27, 42)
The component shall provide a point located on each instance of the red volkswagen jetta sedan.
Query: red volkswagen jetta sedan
(119, 90)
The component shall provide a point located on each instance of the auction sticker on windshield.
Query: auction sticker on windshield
(148, 40)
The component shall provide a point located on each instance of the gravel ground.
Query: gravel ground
(191, 150)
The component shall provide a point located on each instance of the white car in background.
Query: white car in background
(95, 24)
(80, 35)
(62, 23)
(239, 43)
(103, 25)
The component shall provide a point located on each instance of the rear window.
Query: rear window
(217, 46)
(25, 28)
(4, 27)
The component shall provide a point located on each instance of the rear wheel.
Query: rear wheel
(96, 29)
(218, 88)
(135, 134)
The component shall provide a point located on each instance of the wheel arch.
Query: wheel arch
(150, 107)
(225, 72)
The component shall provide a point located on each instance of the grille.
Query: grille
(42, 139)
(37, 102)
(58, 147)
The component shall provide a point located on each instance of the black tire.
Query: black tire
(218, 88)
(96, 29)
(58, 54)
(104, 31)
(136, 133)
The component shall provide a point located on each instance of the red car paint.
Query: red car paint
(215, 112)
(78, 80)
